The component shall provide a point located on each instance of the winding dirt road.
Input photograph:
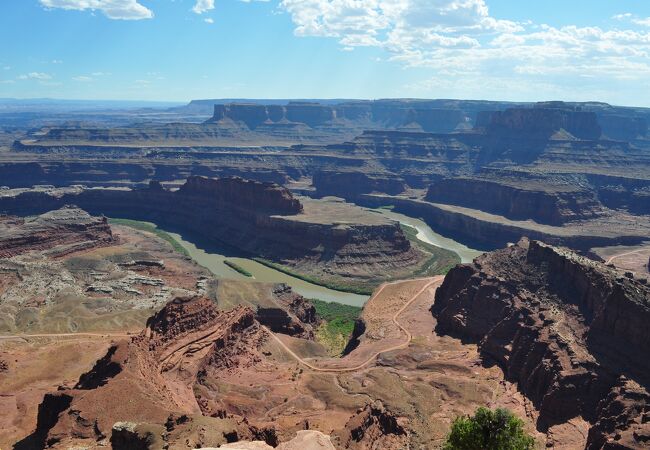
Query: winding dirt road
(435, 280)
(54, 335)
(612, 258)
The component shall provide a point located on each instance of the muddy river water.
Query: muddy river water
(214, 261)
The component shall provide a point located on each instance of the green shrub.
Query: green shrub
(489, 430)
(337, 326)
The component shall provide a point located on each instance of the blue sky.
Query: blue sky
(184, 49)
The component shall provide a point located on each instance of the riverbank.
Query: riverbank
(224, 265)
(426, 234)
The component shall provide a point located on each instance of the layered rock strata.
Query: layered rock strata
(58, 232)
(548, 204)
(570, 331)
(541, 121)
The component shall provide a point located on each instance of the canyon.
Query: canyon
(113, 336)
(569, 173)
(547, 333)
(331, 241)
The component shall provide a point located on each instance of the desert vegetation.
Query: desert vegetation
(489, 429)
(337, 324)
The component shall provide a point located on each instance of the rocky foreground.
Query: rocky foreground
(572, 333)
(557, 338)
(160, 389)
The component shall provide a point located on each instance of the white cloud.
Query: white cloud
(113, 9)
(90, 77)
(462, 41)
(57, 61)
(35, 76)
(623, 16)
(208, 20)
(645, 22)
(202, 6)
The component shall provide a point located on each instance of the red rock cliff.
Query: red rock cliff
(571, 332)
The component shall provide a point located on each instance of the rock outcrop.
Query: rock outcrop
(241, 194)
(570, 331)
(350, 184)
(294, 315)
(151, 376)
(304, 440)
(59, 232)
(375, 427)
(280, 320)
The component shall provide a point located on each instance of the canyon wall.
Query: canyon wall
(541, 121)
(260, 219)
(553, 205)
(486, 234)
(348, 184)
(345, 114)
(571, 332)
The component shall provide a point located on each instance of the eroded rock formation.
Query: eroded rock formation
(59, 232)
(350, 184)
(570, 331)
(242, 194)
(342, 116)
(294, 315)
(541, 121)
(376, 425)
(150, 377)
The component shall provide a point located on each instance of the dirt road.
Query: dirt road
(434, 281)
(612, 258)
(55, 335)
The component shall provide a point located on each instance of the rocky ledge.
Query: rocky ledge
(570, 331)
(61, 232)
(240, 193)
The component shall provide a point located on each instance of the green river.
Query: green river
(214, 261)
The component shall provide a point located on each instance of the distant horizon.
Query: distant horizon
(275, 99)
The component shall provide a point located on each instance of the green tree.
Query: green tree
(488, 430)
